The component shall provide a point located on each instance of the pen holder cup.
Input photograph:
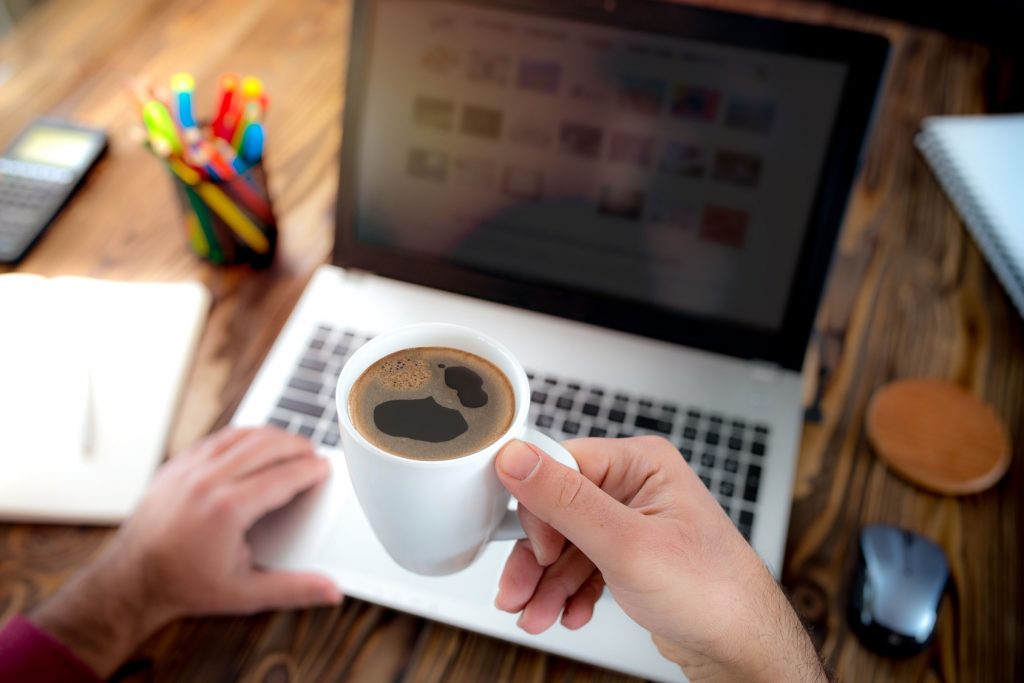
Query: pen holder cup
(229, 222)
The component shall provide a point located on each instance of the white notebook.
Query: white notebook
(979, 160)
(90, 375)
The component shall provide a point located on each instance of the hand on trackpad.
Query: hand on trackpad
(293, 535)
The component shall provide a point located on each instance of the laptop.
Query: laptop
(640, 199)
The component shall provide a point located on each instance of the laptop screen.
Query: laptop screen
(630, 166)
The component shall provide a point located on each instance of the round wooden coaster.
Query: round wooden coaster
(938, 436)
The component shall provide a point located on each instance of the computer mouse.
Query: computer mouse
(900, 580)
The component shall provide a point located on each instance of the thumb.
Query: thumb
(565, 499)
(287, 590)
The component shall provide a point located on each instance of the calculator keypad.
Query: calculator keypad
(26, 206)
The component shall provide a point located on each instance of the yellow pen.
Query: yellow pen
(252, 108)
(234, 217)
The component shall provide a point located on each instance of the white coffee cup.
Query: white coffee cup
(434, 517)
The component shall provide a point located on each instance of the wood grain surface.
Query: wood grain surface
(909, 295)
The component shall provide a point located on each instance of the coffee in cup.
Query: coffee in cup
(432, 403)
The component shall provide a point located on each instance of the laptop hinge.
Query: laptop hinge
(764, 371)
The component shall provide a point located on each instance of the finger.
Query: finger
(257, 450)
(214, 444)
(568, 501)
(273, 486)
(621, 467)
(264, 590)
(519, 578)
(560, 582)
(580, 608)
(545, 541)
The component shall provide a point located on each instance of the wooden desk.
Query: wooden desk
(909, 295)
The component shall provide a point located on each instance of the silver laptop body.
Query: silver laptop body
(449, 185)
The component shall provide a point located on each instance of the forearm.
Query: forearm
(99, 615)
(764, 640)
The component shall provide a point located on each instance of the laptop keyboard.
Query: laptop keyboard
(727, 452)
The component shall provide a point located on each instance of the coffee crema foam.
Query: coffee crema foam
(432, 403)
(403, 372)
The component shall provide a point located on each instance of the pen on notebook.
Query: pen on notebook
(88, 417)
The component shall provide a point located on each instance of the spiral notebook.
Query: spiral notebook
(979, 161)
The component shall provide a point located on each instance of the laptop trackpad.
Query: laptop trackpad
(294, 536)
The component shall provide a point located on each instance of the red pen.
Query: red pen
(228, 107)
(220, 167)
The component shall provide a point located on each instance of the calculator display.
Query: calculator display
(70, 149)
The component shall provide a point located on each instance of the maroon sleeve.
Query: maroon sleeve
(28, 653)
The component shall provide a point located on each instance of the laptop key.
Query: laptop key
(591, 409)
(757, 448)
(330, 437)
(746, 517)
(689, 432)
(726, 488)
(564, 403)
(706, 479)
(735, 443)
(305, 385)
(732, 465)
(616, 416)
(300, 407)
(538, 397)
(653, 424)
(341, 350)
(544, 421)
(313, 364)
(687, 453)
(761, 429)
(306, 430)
(550, 380)
(708, 460)
(745, 530)
(753, 483)
(573, 386)
(278, 422)
(598, 431)
(693, 414)
(625, 435)
(597, 391)
(711, 438)
(316, 344)
(570, 427)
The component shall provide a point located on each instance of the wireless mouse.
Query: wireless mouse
(900, 580)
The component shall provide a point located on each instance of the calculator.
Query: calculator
(38, 174)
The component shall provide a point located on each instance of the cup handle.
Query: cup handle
(510, 527)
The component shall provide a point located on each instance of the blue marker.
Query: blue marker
(183, 85)
(251, 149)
